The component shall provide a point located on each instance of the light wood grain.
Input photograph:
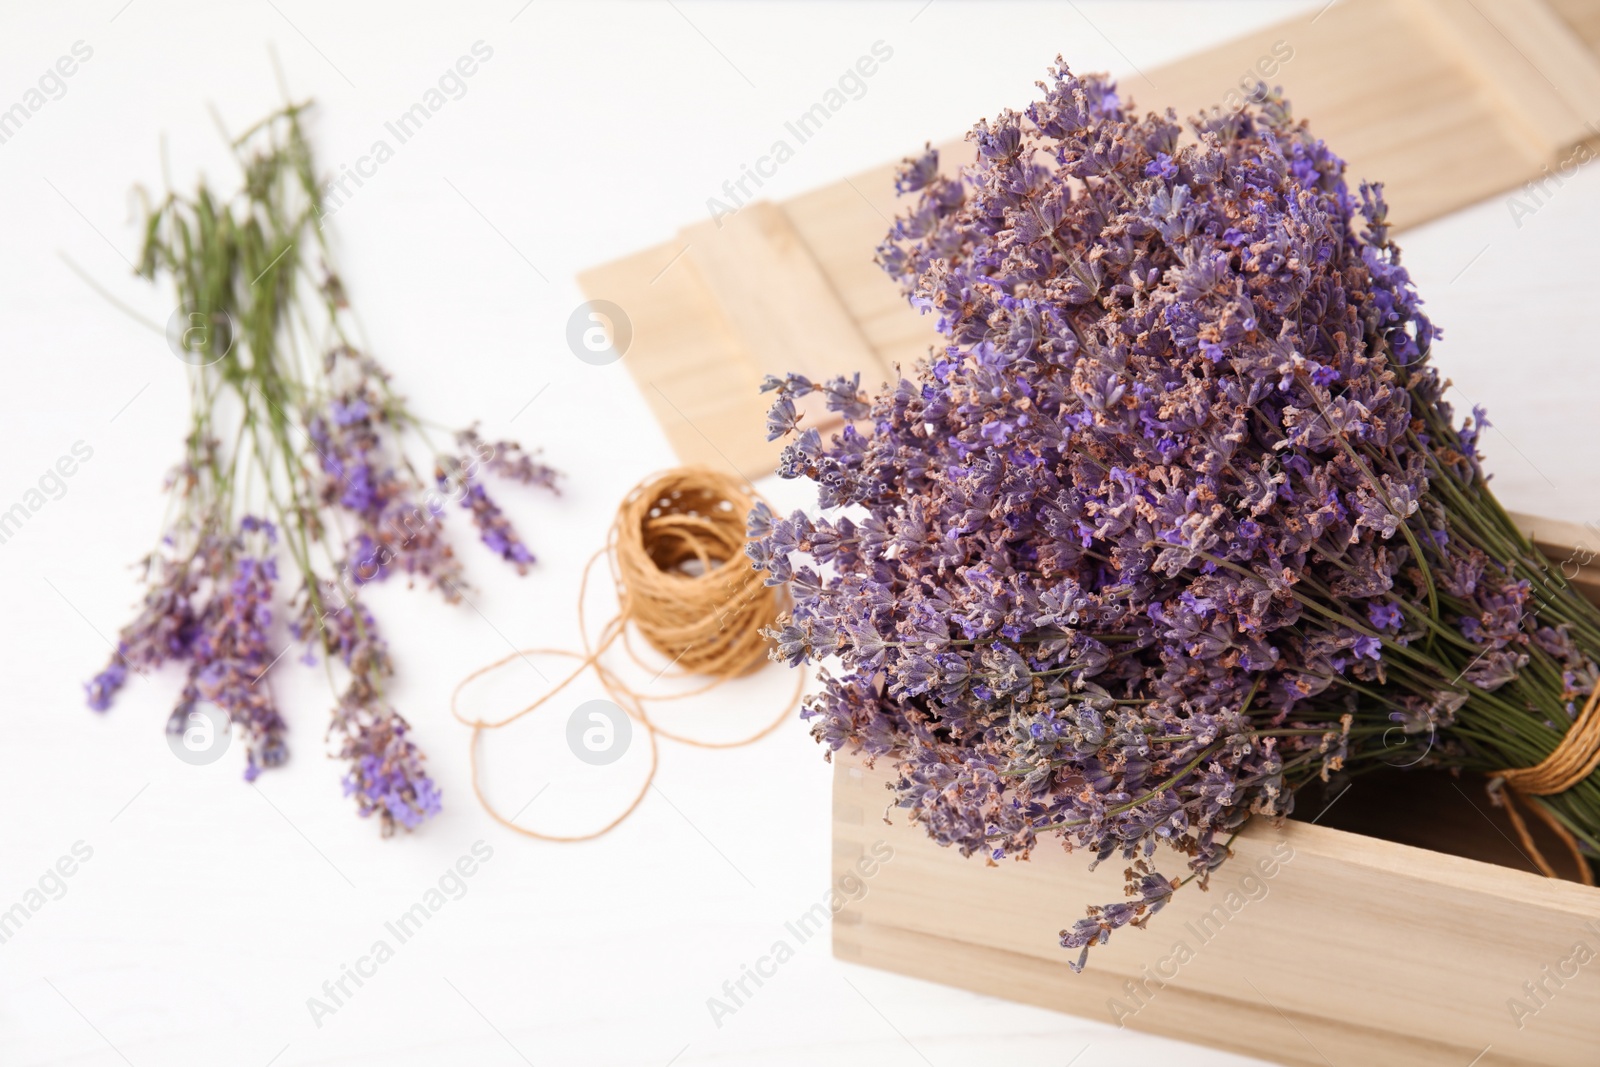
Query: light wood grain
(1572, 549)
(698, 377)
(798, 326)
(1584, 18)
(1359, 950)
(1541, 74)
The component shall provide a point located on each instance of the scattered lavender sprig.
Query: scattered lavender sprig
(324, 453)
(1176, 523)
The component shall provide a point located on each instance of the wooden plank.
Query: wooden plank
(701, 383)
(797, 324)
(843, 224)
(1584, 18)
(1541, 74)
(709, 321)
(1572, 549)
(1353, 950)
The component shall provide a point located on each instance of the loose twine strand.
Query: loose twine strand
(1573, 760)
(676, 554)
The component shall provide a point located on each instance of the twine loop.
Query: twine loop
(676, 554)
(1573, 760)
(682, 576)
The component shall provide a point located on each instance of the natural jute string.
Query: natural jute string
(1573, 760)
(676, 552)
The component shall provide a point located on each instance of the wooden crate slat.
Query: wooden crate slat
(784, 311)
(1029, 980)
(843, 223)
(1379, 952)
(1584, 18)
(699, 379)
(1572, 549)
(1542, 74)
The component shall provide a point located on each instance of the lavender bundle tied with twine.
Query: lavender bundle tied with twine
(1177, 521)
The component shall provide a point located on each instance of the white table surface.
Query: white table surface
(210, 911)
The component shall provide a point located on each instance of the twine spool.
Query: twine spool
(1572, 760)
(676, 554)
(682, 576)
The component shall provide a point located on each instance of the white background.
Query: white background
(211, 911)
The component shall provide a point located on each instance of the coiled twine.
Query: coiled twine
(683, 584)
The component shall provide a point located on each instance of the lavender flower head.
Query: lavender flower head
(1175, 521)
(325, 453)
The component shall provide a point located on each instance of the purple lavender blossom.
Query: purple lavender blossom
(386, 770)
(396, 530)
(386, 773)
(326, 449)
(508, 460)
(1106, 565)
(231, 654)
(102, 689)
(1385, 616)
(494, 529)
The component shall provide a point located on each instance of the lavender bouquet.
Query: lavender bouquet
(297, 443)
(1176, 523)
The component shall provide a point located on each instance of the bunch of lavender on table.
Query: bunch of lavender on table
(1176, 522)
(298, 443)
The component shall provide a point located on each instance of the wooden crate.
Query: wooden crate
(1445, 101)
(1319, 943)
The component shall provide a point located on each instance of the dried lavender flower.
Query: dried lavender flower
(325, 454)
(1175, 522)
